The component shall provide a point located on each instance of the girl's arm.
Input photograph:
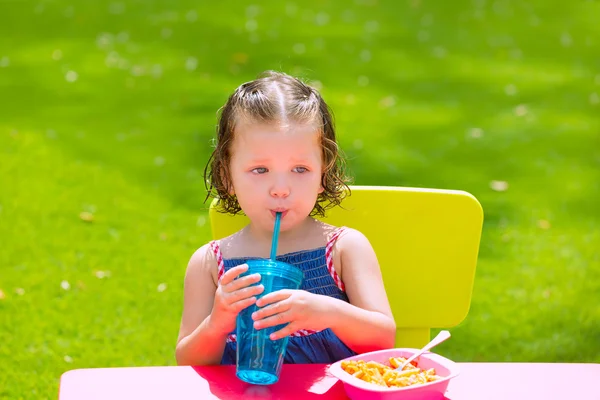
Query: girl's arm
(210, 308)
(199, 342)
(366, 323)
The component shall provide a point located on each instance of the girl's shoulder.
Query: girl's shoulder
(348, 238)
(204, 262)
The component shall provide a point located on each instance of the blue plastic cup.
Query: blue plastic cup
(258, 358)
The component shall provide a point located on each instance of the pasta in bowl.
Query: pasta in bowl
(374, 376)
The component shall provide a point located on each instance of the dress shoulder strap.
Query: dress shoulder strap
(214, 247)
(329, 257)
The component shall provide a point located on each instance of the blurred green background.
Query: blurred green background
(108, 108)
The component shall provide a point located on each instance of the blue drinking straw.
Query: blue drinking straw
(275, 236)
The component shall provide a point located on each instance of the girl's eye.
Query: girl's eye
(300, 170)
(259, 170)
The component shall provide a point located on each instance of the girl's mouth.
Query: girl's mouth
(283, 213)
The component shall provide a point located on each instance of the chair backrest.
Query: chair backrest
(426, 241)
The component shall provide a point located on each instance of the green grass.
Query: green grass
(429, 94)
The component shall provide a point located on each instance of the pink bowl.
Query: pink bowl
(358, 389)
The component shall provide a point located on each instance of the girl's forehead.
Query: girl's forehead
(276, 140)
(249, 129)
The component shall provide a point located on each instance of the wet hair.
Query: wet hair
(275, 97)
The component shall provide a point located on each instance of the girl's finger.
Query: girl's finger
(271, 309)
(283, 332)
(244, 293)
(245, 303)
(240, 283)
(233, 273)
(273, 320)
(273, 297)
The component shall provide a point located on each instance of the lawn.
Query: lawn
(108, 109)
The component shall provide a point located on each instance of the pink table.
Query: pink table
(487, 381)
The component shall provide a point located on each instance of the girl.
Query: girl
(276, 151)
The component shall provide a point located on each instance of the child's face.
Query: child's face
(274, 168)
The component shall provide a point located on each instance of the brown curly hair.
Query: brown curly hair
(276, 96)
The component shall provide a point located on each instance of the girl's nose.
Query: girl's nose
(280, 189)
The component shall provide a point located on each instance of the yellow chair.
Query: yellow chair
(426, 241)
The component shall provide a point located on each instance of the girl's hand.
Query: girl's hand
(232, 296)
(302, 309)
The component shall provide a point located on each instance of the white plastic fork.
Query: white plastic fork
(442, 336)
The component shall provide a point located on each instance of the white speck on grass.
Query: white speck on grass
(319, 43)
(114, 233)
(104, 40)
(57, 54)
(191, 63)
(534, 20)
(291, 9)
(322, 19)
(71, 76)
(510, 90)
(123, 64)
(521, 110)
(201, 221)
(299, 48)
(517, 54)
(594, 98)
(65, 285)
(544, 224)
(68, 359)
(476, 133)
(4, 62)
(499, 186)
(112, 59)
(348, 16)
(166, 33)
(254, 38)
(252, 11)
(157, 70)
(566, 40)
(427, 20)
(69, 12)
(191, 16)
(371, 26)
(251, 25)
(86, 216)
(2, 295)
(137, 70)
(159, 161)
(387, 102)
(116, 8)
(363, 80)
(161, 287)
(122, 37)
(20, 291)
(365, 55)
(439, 52)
